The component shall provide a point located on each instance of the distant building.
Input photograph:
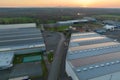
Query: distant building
(110, 22)
(109, 27)
(92, 56)
(90, 19)
(70, 22)
(20, 39)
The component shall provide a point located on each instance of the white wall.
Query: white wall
(70, 71)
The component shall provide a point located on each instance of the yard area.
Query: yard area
(18, 59)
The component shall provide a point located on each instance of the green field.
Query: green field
(16, 20)
(107, 17)
(60, 28)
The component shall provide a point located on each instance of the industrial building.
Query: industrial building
(71, 22)
(19, 39)
(92, 56)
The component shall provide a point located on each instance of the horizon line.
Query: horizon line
(62, 7)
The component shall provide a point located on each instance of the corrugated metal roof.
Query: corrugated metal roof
(95, 59)
(93, 52)
(86, 36)
(17, 37)
(93, 46)
(11, 26)
(24, 37)
(82, 34)
(81, 43)
(87, 39)
(92, 56)
(99, 69)
(22, 42)
(20, 32)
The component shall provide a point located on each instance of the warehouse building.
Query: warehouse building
(20, 39)
(6, 60)
(93, 57)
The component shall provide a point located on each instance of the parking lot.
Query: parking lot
(51, 40)
(31, 69)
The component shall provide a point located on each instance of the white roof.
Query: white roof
(83, 34)
(11, 26)
(109, 26)
(21, 47)
(72, 21)
(6, 58)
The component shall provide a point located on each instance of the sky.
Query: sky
(61, 3)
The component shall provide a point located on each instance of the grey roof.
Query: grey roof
(11, 26)
(93, 58)
(34, 69)
(81, 43)
(82, 34)
(103, 69)
(85, 47)
(19, 37)
(93, 52)
(85, 36)
(27, 37)
(19, 31)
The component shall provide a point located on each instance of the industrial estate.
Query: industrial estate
(73, 48)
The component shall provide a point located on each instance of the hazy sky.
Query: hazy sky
(61, 3)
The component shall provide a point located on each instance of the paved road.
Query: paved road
(56, 67)
(63, 75)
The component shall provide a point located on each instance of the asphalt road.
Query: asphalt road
(52, 40)
(55, 72)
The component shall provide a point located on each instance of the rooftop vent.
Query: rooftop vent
(117, 61)
(91, 67)
(78, 70)
(107, 64)
(112, 62)
(102, 65)
(84, 69)
(97, 66)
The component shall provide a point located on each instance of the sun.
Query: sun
(85, 3)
